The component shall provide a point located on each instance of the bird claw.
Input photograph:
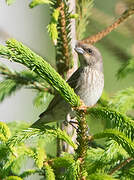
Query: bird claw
(66, 122)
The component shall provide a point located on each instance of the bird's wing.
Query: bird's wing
(52, 104)
(72, 81)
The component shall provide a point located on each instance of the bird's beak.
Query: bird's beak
(79, 50)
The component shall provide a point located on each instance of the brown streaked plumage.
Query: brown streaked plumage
(87, 82)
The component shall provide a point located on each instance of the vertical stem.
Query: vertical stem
(82, 140)
(63, 63)
(63, 67)
(69, 129)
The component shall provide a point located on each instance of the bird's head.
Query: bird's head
(89, 55)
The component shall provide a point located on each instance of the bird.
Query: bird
(87, 82)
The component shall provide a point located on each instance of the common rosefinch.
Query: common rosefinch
(87, 82)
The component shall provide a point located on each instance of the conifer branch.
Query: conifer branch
(118, 120)
(119, 166)
(62, 23)
(119, 137)
(102, 160)
(49, 174)
(67, 161)
(19, 79)
(52, 27)
(113, 152)
(73, 171)
(39, 155)
(93, 39)
(21, 54)
(4, 131)
(63, 47)
(60, 162)
(32, 132)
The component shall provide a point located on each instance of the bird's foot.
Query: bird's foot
(73, 122)
(66, 122)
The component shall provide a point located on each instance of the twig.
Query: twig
(105, 19)
(93, 39)
(118, 167)
(24, 80)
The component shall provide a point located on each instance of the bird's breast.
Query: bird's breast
(90, 86)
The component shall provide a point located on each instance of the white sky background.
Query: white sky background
(29, 26)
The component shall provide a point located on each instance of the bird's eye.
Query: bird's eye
(89, 50)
